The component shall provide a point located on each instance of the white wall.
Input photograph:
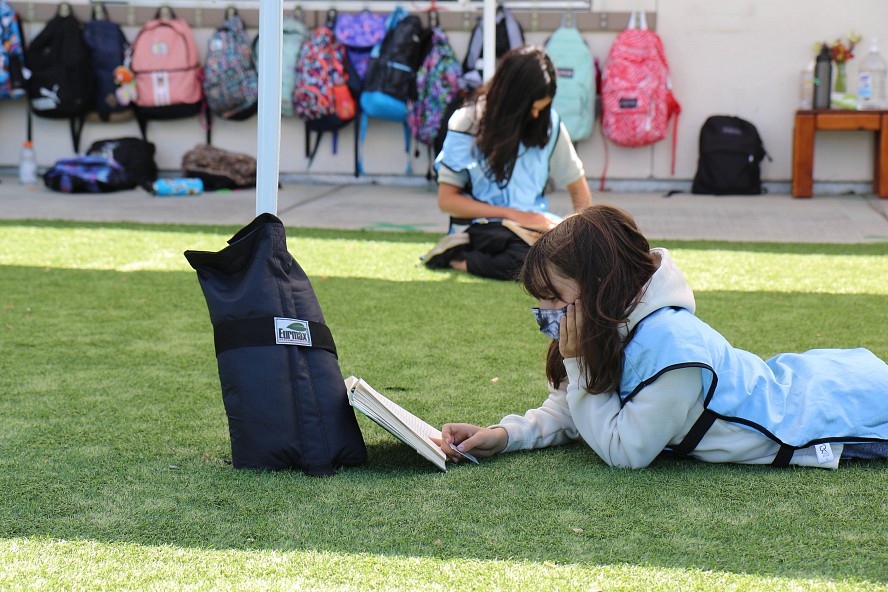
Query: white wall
(736, 57)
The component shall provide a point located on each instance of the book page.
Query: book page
(406, 426)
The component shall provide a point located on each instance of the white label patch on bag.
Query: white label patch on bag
(291, 332)
(824, 453)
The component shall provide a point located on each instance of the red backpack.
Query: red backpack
(636, 95)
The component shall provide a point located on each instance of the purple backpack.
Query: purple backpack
(359, 33)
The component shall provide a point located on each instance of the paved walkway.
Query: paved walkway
(777, 218)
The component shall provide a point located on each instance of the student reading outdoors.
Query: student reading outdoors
(498, 156)
(634, 372)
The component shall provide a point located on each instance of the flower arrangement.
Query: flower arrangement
(841, 51)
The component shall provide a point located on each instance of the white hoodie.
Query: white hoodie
(660, 415)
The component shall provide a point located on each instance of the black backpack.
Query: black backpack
(731, 152)
(403, 48)
(61, 84)
(134, 155)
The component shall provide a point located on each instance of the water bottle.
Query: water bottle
(176, 187)
(871, 80)
(28, 165)
(806, 90)
(822, 78)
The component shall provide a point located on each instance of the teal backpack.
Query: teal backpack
(295, 33)
(575, 98)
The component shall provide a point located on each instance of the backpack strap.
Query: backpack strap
(674, 137)
(513, 29)
(475, 44)
(76, 124)
(359, 145)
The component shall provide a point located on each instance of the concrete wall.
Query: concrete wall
(737, 57)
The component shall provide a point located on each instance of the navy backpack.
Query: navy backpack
(107, 45)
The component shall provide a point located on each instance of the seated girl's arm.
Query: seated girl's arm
(566, 170)
(634, 434)
(580, 194)
(452, 201)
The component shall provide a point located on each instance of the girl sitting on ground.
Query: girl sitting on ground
(635, 373)
(498, 156)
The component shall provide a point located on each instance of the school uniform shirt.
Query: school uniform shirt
(657, 417)
(565, 167)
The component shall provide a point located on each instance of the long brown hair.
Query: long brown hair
(604, 252)
(525, 76)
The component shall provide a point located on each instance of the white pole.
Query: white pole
(271, 41)
(489, 47)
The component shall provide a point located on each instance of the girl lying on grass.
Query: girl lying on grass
(634, 372)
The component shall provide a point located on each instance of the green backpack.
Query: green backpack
(575, 98)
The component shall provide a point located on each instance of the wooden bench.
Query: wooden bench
(807, 123)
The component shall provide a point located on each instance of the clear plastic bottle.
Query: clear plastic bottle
(871, 92)
(28, 165)
(806, 89)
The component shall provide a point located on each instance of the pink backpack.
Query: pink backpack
(636, 95)
(167, 69)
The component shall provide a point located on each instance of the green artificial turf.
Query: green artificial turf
(115, 460)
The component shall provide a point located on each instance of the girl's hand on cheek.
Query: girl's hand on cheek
(569, 340)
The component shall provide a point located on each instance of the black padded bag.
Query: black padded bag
(731, 152)
(287, 405)
(135, 155)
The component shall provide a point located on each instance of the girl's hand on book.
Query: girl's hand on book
(472, 439)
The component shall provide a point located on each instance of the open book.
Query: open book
(528, 235)
(399, 422)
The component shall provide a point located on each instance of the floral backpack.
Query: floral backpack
(12, 56)
(322, 97)
(230, 82)
(437, 84)
(636, 92)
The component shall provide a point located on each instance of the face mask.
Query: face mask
(548, 319)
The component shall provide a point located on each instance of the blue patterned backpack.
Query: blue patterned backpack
(231, 84)
(12, 56)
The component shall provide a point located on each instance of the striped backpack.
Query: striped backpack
(231, 83)
(636, 93)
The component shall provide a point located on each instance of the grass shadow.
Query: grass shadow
(396, 236)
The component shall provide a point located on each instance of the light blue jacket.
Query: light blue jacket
(525, 190)
(822, 395)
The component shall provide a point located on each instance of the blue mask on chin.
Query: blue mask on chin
(548, 320)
